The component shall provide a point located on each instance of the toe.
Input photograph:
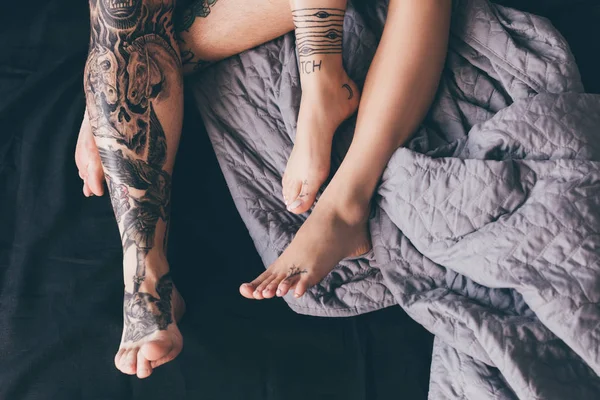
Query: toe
(291, 191)
(301, 287)
(247, 289)
(305, 199)
(258, 293)
(285, 285)
(129, 362)
(143, 369)
(170, 356)
(119, 356)
(271, 288)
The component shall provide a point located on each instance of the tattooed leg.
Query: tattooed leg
(212, 30)
(208, 31)
(329, 96)
(134, 102)
(399, 88)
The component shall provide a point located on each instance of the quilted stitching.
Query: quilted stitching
(487, 226)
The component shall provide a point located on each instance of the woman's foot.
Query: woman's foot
(150, 334)
(88, 162)
(328, 98)
(334, 230)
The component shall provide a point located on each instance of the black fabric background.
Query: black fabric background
(60, 255)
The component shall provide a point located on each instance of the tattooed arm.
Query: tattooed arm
(134, 99)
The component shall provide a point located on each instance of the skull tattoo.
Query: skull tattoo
(121, 14)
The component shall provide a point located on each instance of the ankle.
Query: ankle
(321, 73)
(354, 210)
(155, 268)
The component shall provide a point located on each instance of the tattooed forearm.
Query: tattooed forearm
(134, 66)
(199, 8)
(318, 31)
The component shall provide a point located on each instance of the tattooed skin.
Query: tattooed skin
(119, 198)
(189, 58)
(350, 91)
(128, 72)
(200, 8)
(294, 271)
(318, 31)
(145, 314)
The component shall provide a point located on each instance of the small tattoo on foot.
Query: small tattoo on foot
(350, 91)
(294, 271)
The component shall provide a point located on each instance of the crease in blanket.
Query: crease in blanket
(486, 230)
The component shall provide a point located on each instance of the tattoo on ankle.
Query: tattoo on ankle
(294, 271)
(129, 71)
(318, 31)
(308, 67)
(350, 91)
(145, 314)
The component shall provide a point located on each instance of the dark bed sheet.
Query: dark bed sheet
(60, 272)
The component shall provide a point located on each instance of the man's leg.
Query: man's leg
(398, 91)
(207, 31)
(212, 30)
(134, 99)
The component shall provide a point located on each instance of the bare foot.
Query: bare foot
(332, 232)
(327, 100)
(88, 160)
(150, 334)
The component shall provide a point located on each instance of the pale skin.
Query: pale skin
(398, 91)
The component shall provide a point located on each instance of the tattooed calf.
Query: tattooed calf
(121, 14)
(102, 74)
(151, 60)
(119, 198)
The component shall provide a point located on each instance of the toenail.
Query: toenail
(294, 205)
(278, 292)
(296, 295)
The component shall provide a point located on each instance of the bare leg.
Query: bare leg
(400, 86)
(329, 96)
(134, 100)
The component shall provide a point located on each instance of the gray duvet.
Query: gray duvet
(485, 228)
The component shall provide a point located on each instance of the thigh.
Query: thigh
(217, 29)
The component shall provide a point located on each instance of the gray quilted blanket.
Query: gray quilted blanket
(486, 228)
